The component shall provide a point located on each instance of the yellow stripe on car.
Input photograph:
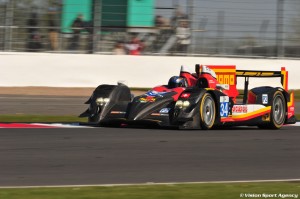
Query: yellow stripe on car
(268, 108)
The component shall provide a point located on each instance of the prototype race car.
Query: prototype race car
(202, 100)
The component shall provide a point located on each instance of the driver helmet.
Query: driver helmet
(176, 81)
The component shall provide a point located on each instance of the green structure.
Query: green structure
(140, 13)
(71, 9)
(112, 13)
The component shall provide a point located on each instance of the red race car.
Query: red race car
(202, 99)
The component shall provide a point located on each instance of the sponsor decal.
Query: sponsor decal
(239, 109)
(224, 106)
(117, 112)
(211, 81)
(265, 98)
(147, 99)
(254, 110)
(224, 99)
(185, 95)
(159, 114)
(155, 114)
(155, 93)
(226, 79)
(165, 110)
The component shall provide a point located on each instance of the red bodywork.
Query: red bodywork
(191, 81)
(285, 84)
(226, 74)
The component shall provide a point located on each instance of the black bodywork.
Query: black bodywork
(158, 110)
(123, 108)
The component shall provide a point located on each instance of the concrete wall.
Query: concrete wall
(81, 70)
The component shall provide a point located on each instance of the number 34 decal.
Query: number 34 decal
(224, 106)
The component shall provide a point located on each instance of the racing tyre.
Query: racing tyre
(278, 112)
(207, 111)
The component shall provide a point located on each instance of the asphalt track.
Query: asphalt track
(42, 105)
(33, 157)
(83, 156)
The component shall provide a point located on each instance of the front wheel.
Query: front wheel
(207, 111)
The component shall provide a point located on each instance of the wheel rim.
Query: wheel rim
(208, 111)
(278, 110)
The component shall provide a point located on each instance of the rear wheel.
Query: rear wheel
(207, 111)
(278, 112)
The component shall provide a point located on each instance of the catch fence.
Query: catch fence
(269, 28)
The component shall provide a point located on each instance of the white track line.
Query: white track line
(150, 184)
(81, 126)
(60, 125)
(77, 125)
(297, 124)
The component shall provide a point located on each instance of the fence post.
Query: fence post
(279, 29)
(9, 14)
(220, 32)
(191, 16)
(96, 23)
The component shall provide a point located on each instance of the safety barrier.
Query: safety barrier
(82, 70)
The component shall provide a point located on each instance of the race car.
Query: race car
(203, 99)
(115, 105)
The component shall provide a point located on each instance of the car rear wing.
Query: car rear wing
(283, 74)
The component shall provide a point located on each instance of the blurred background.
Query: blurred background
(269, 28)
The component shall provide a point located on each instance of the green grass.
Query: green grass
(40, 118)
(186, 191)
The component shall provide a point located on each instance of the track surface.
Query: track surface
(42, 105)
(109, 155)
